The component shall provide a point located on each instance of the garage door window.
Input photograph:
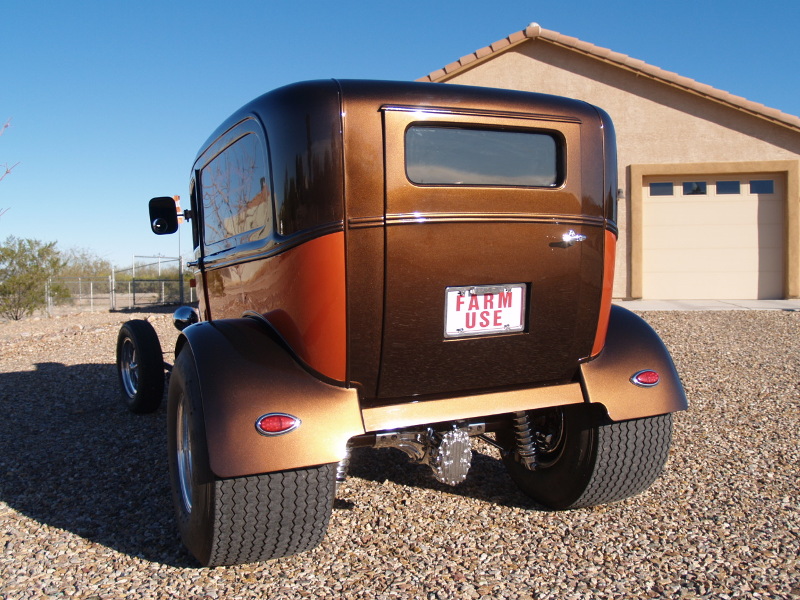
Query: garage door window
(694, 188)
(728, 187)
(661, 189)
(762, 186)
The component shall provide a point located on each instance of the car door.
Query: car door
(494, 250)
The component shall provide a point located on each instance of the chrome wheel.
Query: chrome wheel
(129, 368)
(140, 366)
(184, 450)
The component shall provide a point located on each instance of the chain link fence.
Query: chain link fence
(161, 281)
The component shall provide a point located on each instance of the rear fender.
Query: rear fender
(244, 372)
(632, 346)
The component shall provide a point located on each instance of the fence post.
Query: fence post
(47, 297)
(180, 280)
(112, 292)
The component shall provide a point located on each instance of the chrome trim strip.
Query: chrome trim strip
(554, 219)
(274, 246)
(365, 222)
(473, 112)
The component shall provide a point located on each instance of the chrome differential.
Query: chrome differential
(447, 453)
(451, 458)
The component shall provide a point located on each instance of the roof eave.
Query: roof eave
(640, 68)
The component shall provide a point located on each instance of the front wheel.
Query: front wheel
(585, 460)
(140, 366)
(241, 519)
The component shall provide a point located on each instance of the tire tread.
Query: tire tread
(261, 517)
(630, 457)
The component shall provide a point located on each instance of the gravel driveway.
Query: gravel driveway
(85, 509)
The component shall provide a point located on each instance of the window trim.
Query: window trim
(245, 127)
(557, 137)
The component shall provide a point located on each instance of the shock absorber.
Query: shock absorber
(526, 443)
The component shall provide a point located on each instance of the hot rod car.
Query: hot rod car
(398, 265)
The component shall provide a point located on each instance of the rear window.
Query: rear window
(454, 156)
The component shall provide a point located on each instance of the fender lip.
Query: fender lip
(244, 372)
(632, 345)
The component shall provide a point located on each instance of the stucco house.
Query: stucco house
(709, 182)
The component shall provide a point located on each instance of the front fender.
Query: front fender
(244, 372)
(632, 346)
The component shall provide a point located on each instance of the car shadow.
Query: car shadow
(79, 461)
(487, 479)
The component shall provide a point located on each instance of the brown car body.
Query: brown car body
(325, 287)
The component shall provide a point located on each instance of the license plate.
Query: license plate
(484, 310)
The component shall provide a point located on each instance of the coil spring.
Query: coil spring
(341, 468)
(526, 444)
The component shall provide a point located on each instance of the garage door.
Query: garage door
(713, 237)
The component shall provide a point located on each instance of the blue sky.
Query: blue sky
(109, 101)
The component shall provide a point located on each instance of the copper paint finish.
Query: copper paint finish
(450, 236)
(407, 243)
(244, 374)
(381, 418)
(632, 346)
(605, 298)
(300, 291)
(354, 272)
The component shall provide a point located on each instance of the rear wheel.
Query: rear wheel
(140, 366)
(585, 460)
(242, 519)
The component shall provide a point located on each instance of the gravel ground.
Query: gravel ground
(85, 509)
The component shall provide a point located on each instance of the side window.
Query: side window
(236, 197)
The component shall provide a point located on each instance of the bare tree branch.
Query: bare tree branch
(4, 167)
(6, 170)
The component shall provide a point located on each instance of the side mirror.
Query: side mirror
(184, 316)
(163, 215)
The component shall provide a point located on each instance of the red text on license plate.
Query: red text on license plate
(484, 310)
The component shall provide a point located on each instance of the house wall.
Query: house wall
(655, 122)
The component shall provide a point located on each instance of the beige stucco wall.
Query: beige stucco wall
(656, 123)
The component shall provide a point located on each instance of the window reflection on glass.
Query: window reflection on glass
(451, 156)
(762, 186)
(728, 187)
(235, 191)
(661, 189)
(694, 188)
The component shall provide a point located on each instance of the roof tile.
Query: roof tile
(500, 44)
(535, 32)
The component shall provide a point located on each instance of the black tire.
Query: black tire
(242, 519)
(140, 366)
(590, 460)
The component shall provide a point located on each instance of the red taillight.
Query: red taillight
(276, 424)
(647, 378)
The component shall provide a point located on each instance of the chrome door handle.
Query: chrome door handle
(571, 237)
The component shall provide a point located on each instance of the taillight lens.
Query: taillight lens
(646, 378)
(276, 424)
